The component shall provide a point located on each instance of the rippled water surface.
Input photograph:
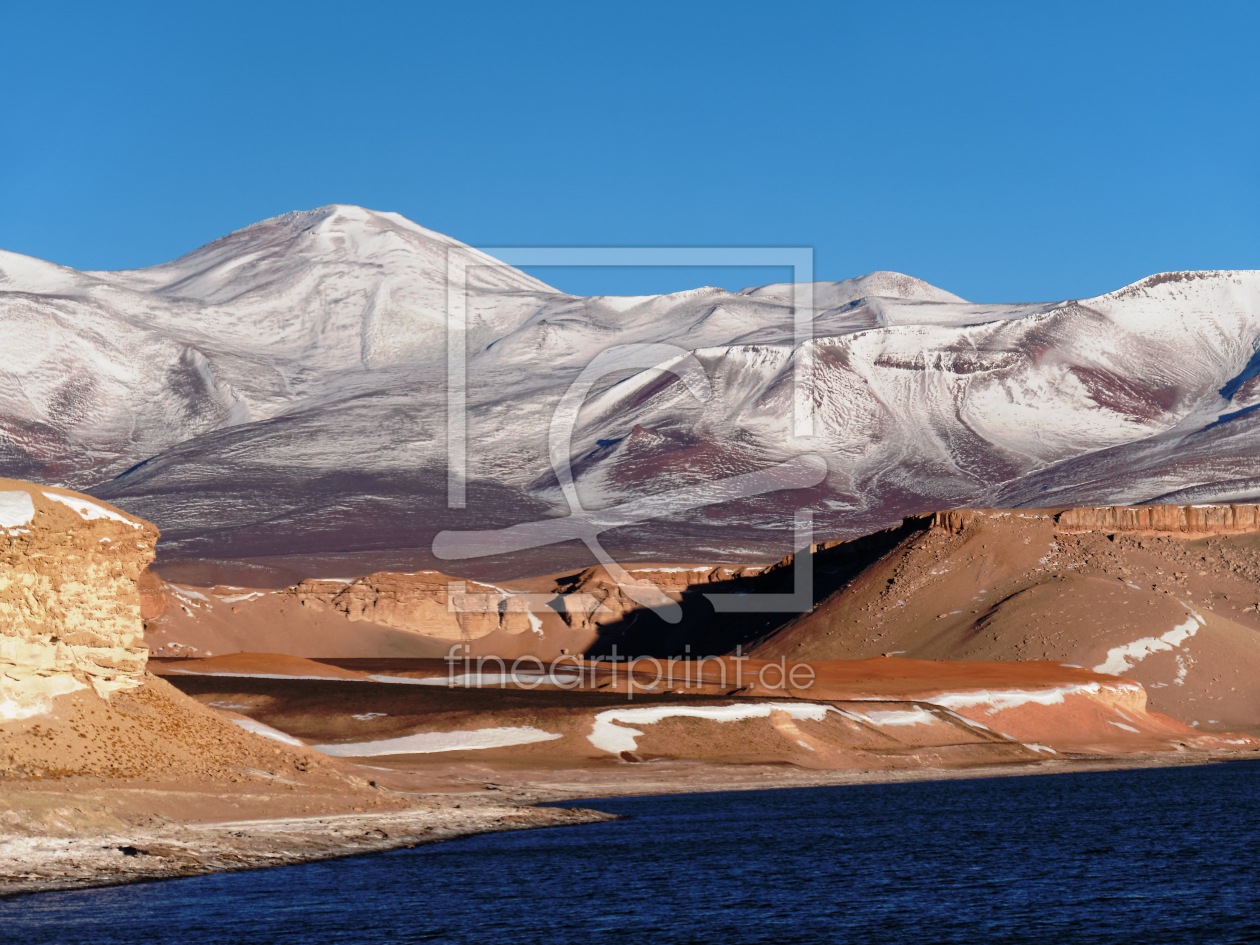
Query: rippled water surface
(1164, 855)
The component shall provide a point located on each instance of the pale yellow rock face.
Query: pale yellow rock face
(427, 602)
(446, 608)
(69, 602)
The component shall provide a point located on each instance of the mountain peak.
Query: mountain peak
(1177, 282)
(341, 241)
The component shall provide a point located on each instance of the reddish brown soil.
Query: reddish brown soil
(1010, 587)
(1058, 708)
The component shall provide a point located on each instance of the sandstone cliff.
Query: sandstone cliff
(420, 614)
(75, 697)
(448, 608)
(1184, 520)
(69, 604)
(426, 602)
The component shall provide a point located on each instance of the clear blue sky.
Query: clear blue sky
(1004, 151)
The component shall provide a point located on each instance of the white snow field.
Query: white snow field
(423, 743)
(282, 391)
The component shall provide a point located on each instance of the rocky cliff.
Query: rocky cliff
(1184, 520)
(448, 608)
(420, 614)
(426, 602)
(69, 603)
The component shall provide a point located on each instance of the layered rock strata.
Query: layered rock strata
(427, 605)
(1191, 519)
(69, 604)
(427, 602)
(1188, 520)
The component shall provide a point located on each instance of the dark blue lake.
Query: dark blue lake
(1162, 855)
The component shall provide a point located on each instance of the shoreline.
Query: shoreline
(38, 864)
(808, 778)
(35, 863)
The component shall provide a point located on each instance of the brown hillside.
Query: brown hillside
(1175, 611)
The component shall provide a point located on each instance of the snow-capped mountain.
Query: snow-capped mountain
(105, 369)
(282, 391)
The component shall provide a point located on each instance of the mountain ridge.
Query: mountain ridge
(299, 364)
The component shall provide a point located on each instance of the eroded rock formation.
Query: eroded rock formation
(69, 603)
(1187, 520)
(448, 608)
(1192, 519)
(426, 602)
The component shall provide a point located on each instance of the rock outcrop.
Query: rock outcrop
(448, 608)
(592, 599)
(426, 602)
(419, 614)
(955, 521)
(69, 602)
(1183, 519)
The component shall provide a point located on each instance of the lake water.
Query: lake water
(1162, 855)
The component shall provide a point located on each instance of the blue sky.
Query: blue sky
(1003, 151)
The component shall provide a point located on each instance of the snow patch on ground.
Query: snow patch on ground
(1000, 700)
(266, 731)
(1183, 669)
(37, 699)
(608, 736)
(423, 743)
(1122, 658)
(90, 510)
(242, 597)
(16, 509)
(915, 716)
